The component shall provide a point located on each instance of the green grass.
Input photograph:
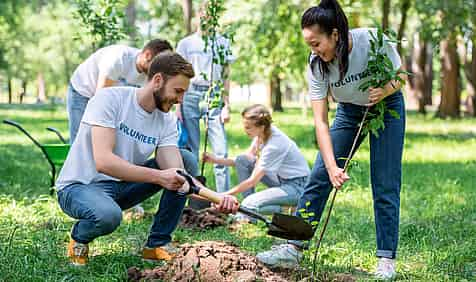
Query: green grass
(438, 211)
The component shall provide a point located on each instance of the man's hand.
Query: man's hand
(225, 114)
(337, 177)
(228, 204)
(170, 179)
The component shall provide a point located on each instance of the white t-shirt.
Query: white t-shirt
(116, 62)
(138, 134)
(280, 156)
(347, 89)
(192, 49)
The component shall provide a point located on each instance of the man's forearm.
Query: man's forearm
(113, 165)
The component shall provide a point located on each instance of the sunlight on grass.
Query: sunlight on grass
(438, 214)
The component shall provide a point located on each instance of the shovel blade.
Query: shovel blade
(290, 227)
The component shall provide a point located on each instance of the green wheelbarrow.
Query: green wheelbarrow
(55, 154)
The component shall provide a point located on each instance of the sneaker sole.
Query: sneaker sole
(282, 266)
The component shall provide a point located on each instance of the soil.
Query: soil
(202, 219)
(209, 261)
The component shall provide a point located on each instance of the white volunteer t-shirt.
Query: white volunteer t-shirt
(192, 49)
(116, 62)
(347, 89)
(280, 156)
(138, 133)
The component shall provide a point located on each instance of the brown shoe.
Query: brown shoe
(166, 252)
(78, 253)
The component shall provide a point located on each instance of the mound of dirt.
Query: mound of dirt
(200, 219)
(209, 261)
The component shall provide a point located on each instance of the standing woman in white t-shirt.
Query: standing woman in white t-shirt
(272, 158)
(338, 64)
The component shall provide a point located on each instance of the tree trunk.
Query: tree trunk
(450, 90)
(405, 6)
(41, 89)
(10, 90)
(131, 20)
(187, 15)
(276, 94)
(422, 69)
(385, 14)
(23, 90)
(470, 71)
(428, 94)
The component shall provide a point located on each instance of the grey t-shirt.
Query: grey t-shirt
(138, 134)
(116, 62)
(347, 89)
(280, 156)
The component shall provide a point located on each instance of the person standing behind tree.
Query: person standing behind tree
(113, 65)
(338, 64)
(190, 112)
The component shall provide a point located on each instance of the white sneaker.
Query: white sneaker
(281, 256)
(385, 269)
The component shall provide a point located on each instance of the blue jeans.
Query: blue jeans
(385, 169)
(75, 105)
(281, 192)
(192, 113)
(98, 207)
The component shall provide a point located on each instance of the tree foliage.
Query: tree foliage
(104, 20)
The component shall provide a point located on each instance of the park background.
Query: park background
(41, 43)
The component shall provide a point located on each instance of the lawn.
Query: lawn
(438, 210)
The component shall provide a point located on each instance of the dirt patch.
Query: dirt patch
(202, 219)
(209, 261)
(343, 278)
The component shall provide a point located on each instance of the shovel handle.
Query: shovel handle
(201, 191)
(253, 214)
(216, 198)
(210, 195)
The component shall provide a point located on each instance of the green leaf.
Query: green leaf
(394, 113)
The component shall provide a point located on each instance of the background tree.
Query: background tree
(187, 15)
(470, 63)
(131, 15)
(104, 20)
(444, 22)
(386, 4)
(270, 46)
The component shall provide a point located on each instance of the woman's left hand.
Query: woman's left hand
(376, 95)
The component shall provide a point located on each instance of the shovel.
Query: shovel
(281, 225)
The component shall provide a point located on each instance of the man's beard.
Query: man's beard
(161, 101)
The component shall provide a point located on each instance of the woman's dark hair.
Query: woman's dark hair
(327, 16)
